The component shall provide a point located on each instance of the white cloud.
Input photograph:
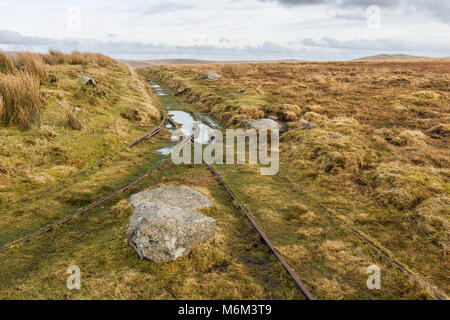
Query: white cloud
(236, 29)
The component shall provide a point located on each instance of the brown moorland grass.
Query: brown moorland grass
(32, 63)
(6, 64)
(20, 99)
(55, 57)
(376, 153)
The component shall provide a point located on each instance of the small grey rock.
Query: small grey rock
(211, 75)
(262, 124)
(274, 118)
(336, 136)
(180, 90)
(309, 125)
(400, 107)
(192, 98)
(87, 80)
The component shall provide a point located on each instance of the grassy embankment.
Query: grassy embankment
(234, 264)
(377, 157)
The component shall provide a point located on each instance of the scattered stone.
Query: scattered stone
(192, 98)
(173, 196)
(261, 124)
(336, 136)
(309, 125)
(211, 75)
(76, 109)
(400, 107)
(180, 90)
(87, 80)
(53, 79)
(163, 233)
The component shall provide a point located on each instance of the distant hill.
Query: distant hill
(135, 63)
(391, 57)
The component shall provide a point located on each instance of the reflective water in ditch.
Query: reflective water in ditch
(185, 119)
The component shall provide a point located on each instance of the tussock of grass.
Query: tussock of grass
(285, 112)
(73, 121)
(431, 220)
(77, 58)
(21, 100)
(318, 148)
(413, 138)
(6, 64)
(405, 186)
(32, 63)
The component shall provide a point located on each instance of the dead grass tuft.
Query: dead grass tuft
(285, 112)
(411, 138)
(404, 186)
(55, 57)
(32, 63)
(21, 100)
(73, 121)
(6, 64)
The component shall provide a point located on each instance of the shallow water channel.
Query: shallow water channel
(185, 119)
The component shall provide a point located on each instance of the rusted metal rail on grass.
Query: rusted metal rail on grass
(83, 211)
(382, 252)
(263, 236)
(97, 165)
(388, 257)
(280, 258)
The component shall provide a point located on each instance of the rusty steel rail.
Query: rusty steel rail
(97, 165)
(403, 269)
(358, 234)
(291, 272)
(280, 258)
(381, 251)
(83, 211)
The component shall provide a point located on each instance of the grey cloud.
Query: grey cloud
(437, 8)
(342, 3)
(267, 50)
(166, 7)
(354, 15)
(324, 49)
(376, 44)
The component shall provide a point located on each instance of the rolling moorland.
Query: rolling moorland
(363, 141)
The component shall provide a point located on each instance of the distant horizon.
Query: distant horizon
(383, 56)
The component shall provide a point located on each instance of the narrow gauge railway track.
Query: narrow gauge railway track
(85, 171)
(355, 232)
(280, 258)
(380, 250)
(83, 211)
(110, 196)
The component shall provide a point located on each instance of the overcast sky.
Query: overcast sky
(229, 29)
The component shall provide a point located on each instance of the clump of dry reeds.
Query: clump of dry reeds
(73, 122)
(31, 63)
(21, 104)
(6, 64)
(57, 57)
